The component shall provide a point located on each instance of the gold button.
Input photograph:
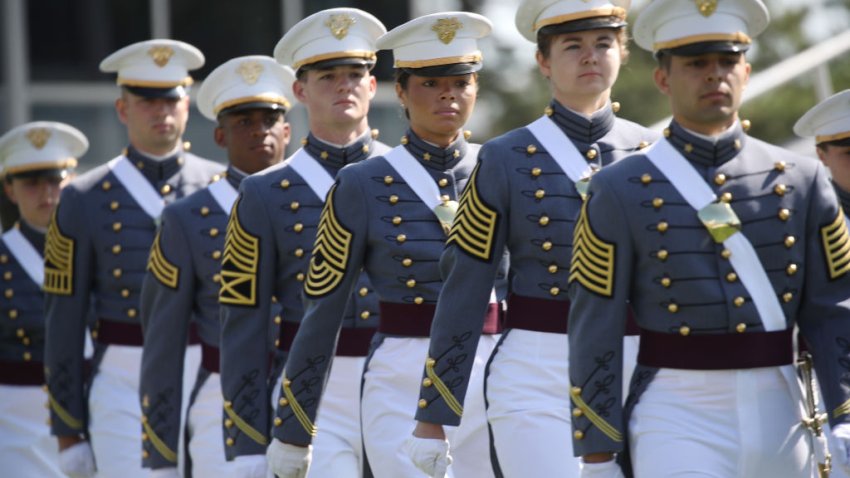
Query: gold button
(740, 328)
(684, 331)
(294, 205)
(363, 292)
(411, 283)
(553, 268)
(791, 269)
(216, 255)
(401, 238)
(144, 435)
(423, 403)
(784, 214)
(787, 297)
(547, 246)
(393, 199)
(445, 198)
(577, 412)
(323, 155)
(657, 203)
(456, 153)
(578, 434)
(116, 226)
(426, 157)
(13, 314)
(9, 293)
(278, 319)
(397, 220)
(726, 253)
(720, 179)
(4, 258)
(388, 180)
(779, 166)
(145, 454)
(116, 273)
(780, 189)
(554, 291)
(662, 226)
(539, 194)
(283, 402)
(277, 421)
(274, 299)
(114, 205)
(615, 106)
(548, 111)
(726, 197)
(125, 293)
(214, 232)
(536, 172)
(543, 221)
(689, 148)
(739, 301)
(205, 211)
(666, 282)
(531, 149)
(666, 132)
(789, 241)
(27, 356)
(403, 140)
(299, 277)
(229, 441)
(418, 301)
(116, 249)
(7, 275)
(228, 423)
(21, 333)
(299, 252)
(407, 262)
(426, 382)
(746, 124)
(215, 178)
(365, 149)
(25, 340)
(365, 314)
(591, 154)
(284, 184)
(298, 227)
(731, 277)
(443, 182)
(662, 254)
(646, 179)
(277, 342)
(165, 189)
(106, 185)
(672, 307)
(643, 144)
(738, 145)
(94, 334)
(131, 313)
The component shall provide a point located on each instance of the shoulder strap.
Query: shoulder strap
(224, 194)
(561, 148)
(28, 257)
(313, 173)
(139, 188)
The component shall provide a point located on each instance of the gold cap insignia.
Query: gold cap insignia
(706, 7)
(161, 55)
(38, 137)
(250, 71)
(339, 25)
(446, 29)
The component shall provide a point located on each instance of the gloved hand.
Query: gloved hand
(289, 461)
(250, 466)
(430, 455)
(605, 469)
(841, 435)
(169, 472)
(77, 461)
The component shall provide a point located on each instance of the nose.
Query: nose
(715, 72)
(448, 93)
(589, 56)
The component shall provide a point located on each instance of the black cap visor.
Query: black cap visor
(330, 63)
(54, 173)
(453, 69)
(584, 24)
(253, 105)
(176, 92)
(701, 48)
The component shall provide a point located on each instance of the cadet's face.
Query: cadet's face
(837, 159)
(582, 65)
(705, 90)
(154, 125)
(255, 139)
(337, 97)
(439, 107)
(36, 197)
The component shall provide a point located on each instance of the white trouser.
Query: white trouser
(191, 364)
(390, 394)
(529, 404)
(337, 447)
(719, 423)
(115, 417)
(26, 447)
(206, 442)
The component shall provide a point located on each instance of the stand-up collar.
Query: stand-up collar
(234, 176)
(155, 170)
(331, 155)
(36, 238)
(701, 150)
(580, 128)
(434, 156)
(843, 197)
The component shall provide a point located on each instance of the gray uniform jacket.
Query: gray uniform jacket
(521, 200)
(644, 244)
(21, 317)
(372, 221)
(181, 286)
(95, 257)
(269, 238)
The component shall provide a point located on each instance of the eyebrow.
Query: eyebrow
(603, 36)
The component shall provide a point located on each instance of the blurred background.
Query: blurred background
(50, 51)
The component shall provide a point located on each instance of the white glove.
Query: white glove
(77, 461)
(169, 472)
(289, 461)
(606, 469)
(430, 455)
(250, 466)
(841, 436)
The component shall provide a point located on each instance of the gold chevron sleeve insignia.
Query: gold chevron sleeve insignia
(239, 264)
(297, 410)
(475, 223)
(330, 252)
(593, 259)
(58, 261)
(164, 271)
(157, 442)
(599, 422)
(836, 246)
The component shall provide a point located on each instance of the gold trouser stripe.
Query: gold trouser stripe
(244, 427)
(600, 422)
(160, 445)
(63, 414)
(451, 401)
(299, 412)
(842, 409)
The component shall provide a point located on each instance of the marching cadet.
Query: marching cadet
(96, 252)
(389, 217)
(38, 160)
(735, 242)
(247, 96)
(271, 232)
(527, 190)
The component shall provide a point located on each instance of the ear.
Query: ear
(298, 90)
(121, 109)
(10, 193)
(373, 86)
(661, 77)
(543, 64)
(219, 137)
(821, 154)
(400, 93)
(748, 69)
(287, 133)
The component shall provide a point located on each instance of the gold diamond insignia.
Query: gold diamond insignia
(720, 220)
(38, 137)
(161, 54)
(446, 29)
(250, 71)
(445, 213)
(706, 7)
(339, 25)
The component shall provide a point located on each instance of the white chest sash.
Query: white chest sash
(29, 258)
(224, 194)
(313, 173)
(139, 188)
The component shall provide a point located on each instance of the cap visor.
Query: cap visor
(702, 48)
(254, 105)
(584, 24)
(453, 69)
(325, 64)
(58, 173)
(175, 93)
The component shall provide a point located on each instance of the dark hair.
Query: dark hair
(664, 60)
(545, 39)
(838, 143)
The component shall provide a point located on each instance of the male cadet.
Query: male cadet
(247, 96)
(270, 236)
(721, 244)
(38, 160)
(96, 253)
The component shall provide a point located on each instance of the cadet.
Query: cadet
(247, 96)
(38, 160)
(735, 242)
(526, 192)
(389, 217)
(97, 248)
(271, 232)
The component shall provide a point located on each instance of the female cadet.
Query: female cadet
(524, 196)
(38, 160)
(389, 216)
